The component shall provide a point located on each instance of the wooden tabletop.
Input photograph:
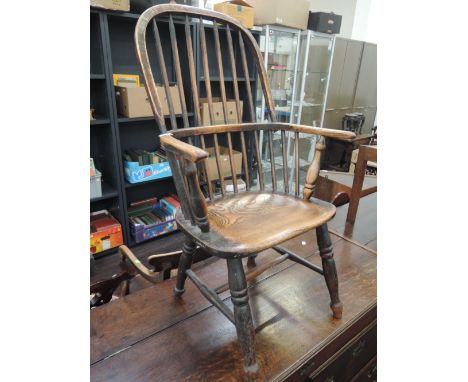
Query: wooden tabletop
(152, 336)
(347, 178)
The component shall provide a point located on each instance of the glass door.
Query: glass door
(279, 47)
(315, 58)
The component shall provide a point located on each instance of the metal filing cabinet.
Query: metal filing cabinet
(365, 99)
(353, 83)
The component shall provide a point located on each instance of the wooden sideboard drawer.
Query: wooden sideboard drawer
(368, 373)
(350, 360)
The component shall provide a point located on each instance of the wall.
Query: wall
(364, 25)
(345, 8)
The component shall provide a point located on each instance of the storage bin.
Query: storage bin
(134, 173)
(143, 232)
(106, 232)
(96, 185)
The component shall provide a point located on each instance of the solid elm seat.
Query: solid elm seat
(250, 222)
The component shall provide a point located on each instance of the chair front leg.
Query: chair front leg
(242, 313)
(185, 263)
(329, 269)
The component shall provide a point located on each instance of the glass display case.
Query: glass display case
(316, 53)
(315, 59)
(298, 67)
(280, 48)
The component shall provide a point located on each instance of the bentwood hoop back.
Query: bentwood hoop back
(237, 224)
(233, 28)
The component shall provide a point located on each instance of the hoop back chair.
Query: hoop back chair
(240, 224)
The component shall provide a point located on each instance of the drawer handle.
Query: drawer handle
(309, 366)
(359, 348)
(372, 372)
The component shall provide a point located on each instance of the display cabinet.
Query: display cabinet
(298, 67)
(280, 49)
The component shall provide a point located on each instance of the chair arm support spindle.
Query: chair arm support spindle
(196, 197)
(314, 169)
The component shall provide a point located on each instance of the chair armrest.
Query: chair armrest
(330, 133)
(181, 148)
(193, 201)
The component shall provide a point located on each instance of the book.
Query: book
(145, 202)
(168, 207)
(173, 201)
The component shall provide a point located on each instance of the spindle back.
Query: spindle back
(186, 148)
(231, 30)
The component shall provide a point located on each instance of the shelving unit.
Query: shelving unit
(112, 51)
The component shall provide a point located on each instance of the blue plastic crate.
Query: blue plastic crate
(134, 173)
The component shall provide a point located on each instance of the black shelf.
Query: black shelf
(139, 119)
(113, 51)
(107, 192)
(107, 252)
(99, 121)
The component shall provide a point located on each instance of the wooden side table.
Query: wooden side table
(338, 153)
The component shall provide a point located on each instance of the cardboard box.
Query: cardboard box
(134, 102)
(218, 112)
(238, 9)
(174, 92)
(293, 14)
(106, 232)
(115, 5)
(225, 164)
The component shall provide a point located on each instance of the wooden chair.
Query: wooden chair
(238, 225)
(366, 153)
(102, 291)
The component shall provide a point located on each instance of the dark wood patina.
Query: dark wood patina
(236, 225)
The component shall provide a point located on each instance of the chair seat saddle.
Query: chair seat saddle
(251, 222)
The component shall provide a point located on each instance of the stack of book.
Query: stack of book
(144, 157)
(149, 218)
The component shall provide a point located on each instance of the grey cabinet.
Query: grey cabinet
(353, 83)
(366, 88)
(350, 73)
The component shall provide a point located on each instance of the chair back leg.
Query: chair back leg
(242, 313)
(329, 269)
(185, 263)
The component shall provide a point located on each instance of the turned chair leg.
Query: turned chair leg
(242, 313)
(329, 269)
(185, 263)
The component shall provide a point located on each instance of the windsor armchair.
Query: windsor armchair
(241, 224)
